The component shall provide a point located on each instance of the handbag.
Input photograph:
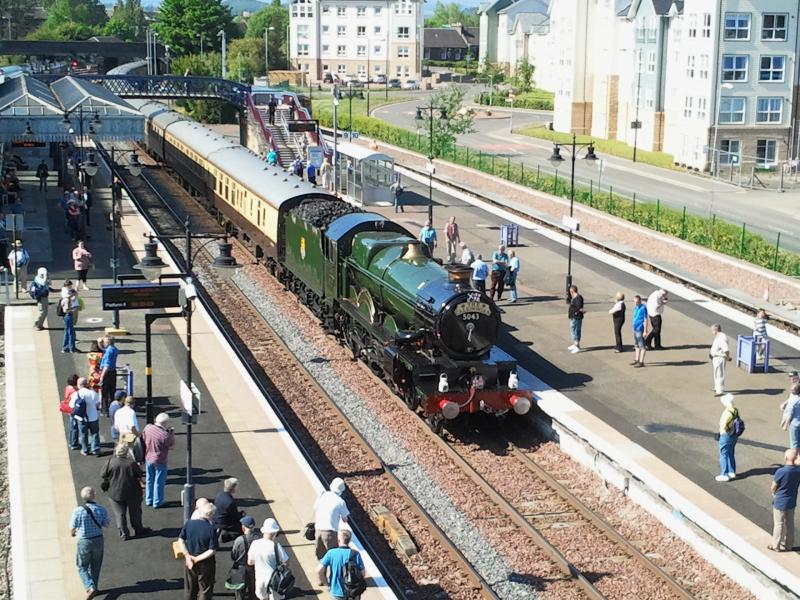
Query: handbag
(282, 579)
(310, 532)
(64, 407)
(237, 573)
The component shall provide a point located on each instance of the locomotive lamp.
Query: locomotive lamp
(556, 159)
(225, 266)
(442, 118)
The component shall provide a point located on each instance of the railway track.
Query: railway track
(168, 216)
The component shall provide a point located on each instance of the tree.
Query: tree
(181, 23)
(71, 20)
(209, 65)
(458, 121)
(246, 59)
(450, 13)
(276, 16)
(523, 76)
(128, 22)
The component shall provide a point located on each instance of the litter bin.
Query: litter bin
(747, 353)
(509, 234)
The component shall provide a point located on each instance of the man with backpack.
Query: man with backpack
(347, 578)
(274, 580)
(85, 404)
(731, 426)
(242, 577)
(40, 291)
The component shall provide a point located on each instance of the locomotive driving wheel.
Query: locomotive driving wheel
(410, 396)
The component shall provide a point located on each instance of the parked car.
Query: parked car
(410, 84)
(363, 78)
(394, 83)
(328, 77)
(380, 78)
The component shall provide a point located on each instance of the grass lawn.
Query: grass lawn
(323, 104)
(610, 147)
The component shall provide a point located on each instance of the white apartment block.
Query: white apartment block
(357, 38)
(505, 29)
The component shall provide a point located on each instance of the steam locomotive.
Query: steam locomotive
(419, 325)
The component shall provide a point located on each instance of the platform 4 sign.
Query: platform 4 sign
(140, 296)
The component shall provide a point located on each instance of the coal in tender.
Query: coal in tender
(321, 212)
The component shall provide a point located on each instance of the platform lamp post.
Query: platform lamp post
(202, 37)
(135, 169)
(221, 35)
(267, 29)
(419, 118)
(556, 159)
(94, 126)
(225, 266)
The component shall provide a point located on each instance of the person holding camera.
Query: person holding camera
(159, 437)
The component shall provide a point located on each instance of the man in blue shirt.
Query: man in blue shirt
(108, 372)
(334, 560)
(639, 320)
(87, 524)
(427, 236)
(198, 539)
(480, 271)
(499, 266)
(784, 491)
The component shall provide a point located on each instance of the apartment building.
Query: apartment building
(356, 38)
(505, 28)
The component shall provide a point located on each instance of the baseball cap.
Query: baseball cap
(248, 522)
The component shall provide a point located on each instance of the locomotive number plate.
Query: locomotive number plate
(473, 307)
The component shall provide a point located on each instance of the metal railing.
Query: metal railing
(266, 134)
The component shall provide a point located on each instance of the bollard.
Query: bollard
(775, 257)
(683, 224)
(522, 173)
(492, 164)
(658, 213)
(741, 240)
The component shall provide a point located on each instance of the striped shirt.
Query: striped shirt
(760, 327)
(84, 525)
(157, 441)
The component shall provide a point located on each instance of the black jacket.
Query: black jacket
(239, 549)
(227, 515)
(123, 476)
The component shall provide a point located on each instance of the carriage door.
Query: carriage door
(330, 268)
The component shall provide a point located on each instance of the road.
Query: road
(765, 212)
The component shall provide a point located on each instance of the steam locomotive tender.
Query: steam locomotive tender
(418, 325)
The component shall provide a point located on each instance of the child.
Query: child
(119, 399)
(760, 333)
(94, 357)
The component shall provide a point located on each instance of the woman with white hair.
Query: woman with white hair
(727, 439)
(40, 291)
(122, 476)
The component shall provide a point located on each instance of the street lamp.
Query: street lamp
(442, 119)
(714, 152)
(556, 159)
(94, 125)
(225, 266)
(135, 169)
(221, 35)
(266, 51)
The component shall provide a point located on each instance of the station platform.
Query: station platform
(661, 418)
(237, 435)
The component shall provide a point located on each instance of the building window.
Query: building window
(766, 152)
(362, 70)
(341, 50)
(399, 70)
(734, 67)
(706, 25)
(376, 50)
(769, 110)
(652, 30)
(402, 52)
(731, 110)
(771, 68)
(773, 28)
(729, 152)
(361, 30)
(737, 26)
(341, 11)
(378, 68)
(341, 69)
(302, 8)
(376, 29)
(703, 74)
(325, 48)
(361, 11)
(640, 30)
(377, 11)
(701, 107)
(341, 30)
(692, 29)
(402, 33)
(651, 62)
(325, 28)
(690, 61)
(402, 8)
(361, 51)
(302, 49)
(325, 9)
(302, 31)
(687, 107)
(325, 68)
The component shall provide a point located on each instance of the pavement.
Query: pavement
(765, 212)
(668, 407)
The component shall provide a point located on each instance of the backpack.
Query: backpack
(352, 578)
(79, 408)
(737, 425)
(60, 308)
(282, 580)
(36, 291)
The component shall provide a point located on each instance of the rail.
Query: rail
(262, 127)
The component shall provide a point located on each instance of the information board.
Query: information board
(140, 296)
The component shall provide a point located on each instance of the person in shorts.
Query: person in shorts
(639, 320)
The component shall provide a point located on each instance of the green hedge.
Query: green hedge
(536, 100)
(721, 236)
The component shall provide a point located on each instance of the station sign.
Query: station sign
(140, 296)
(570, 223)
(302, 126)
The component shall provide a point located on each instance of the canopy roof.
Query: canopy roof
(360, 153)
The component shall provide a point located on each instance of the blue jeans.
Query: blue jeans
(73, 433)
(727, 459)
(794, 434)
(68, 345)
(511, 284)
(87, 428)
(575, 329)
(89, 561)
(154, 485)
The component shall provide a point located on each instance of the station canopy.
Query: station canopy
(31, 111)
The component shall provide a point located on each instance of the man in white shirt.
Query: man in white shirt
(655, 308)
(720, 354)
(85, 404)
(261, 555)
(126, 421)
(329, 509)
(467, 257)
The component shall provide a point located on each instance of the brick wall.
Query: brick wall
(613, 106)
(581, 118)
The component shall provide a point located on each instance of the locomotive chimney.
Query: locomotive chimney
(459, 274)
(413, 251)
